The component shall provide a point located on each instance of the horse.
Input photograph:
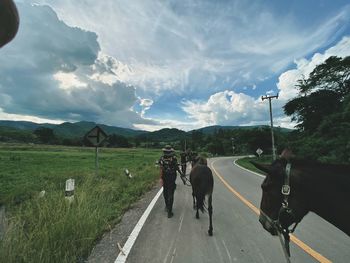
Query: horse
(312, 186)
(201, 178)
(9, 21)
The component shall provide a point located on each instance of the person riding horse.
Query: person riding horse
(168, 167)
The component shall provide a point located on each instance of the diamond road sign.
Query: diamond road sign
(259, 151)
(96, 136)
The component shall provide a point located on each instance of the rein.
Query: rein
(187, 181)
(285, 213)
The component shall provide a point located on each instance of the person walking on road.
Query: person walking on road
(183, 162)
(168, 168)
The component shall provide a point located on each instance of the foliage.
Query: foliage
(246, 162)
(115, 140)
(45, 135)
(49, 229)
(322, 110)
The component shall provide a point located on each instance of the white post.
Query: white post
(96, 161)
(69, 193)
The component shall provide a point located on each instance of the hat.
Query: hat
(168, 150)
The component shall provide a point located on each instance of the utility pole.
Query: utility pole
(233, 147)
(271, 121)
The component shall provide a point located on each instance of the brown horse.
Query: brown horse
(9, 21)
(316, 187)
(201, 178)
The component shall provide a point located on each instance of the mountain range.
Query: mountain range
(79, 129)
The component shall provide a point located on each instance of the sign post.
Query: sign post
(96, 136)
(259, 152)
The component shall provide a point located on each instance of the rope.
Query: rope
(285, 246)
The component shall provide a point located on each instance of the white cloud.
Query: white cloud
(54, 72)
(68, 80)
(113, 56)
(19, 117)
(183, 47)
(145, 105)
(225, 108)
(287, 80)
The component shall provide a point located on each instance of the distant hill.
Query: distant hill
(70, 130)
(164, 135)
(25, 125)
(79, 129)
(211, 129)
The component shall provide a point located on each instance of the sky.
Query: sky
(149, 65)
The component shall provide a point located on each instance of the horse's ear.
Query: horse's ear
(9, 21)
(263, 167)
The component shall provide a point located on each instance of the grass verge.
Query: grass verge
(246, 163)
(50, 229)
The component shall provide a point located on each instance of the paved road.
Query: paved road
(238, 237)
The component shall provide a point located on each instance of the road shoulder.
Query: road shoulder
(107, 249)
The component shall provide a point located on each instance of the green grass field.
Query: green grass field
(49, 229)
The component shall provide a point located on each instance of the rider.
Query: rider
(169, 166)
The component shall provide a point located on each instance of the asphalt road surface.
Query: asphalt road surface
(238, 236)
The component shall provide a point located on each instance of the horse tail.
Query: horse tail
(200, 201)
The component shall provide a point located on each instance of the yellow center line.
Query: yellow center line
(293, 238)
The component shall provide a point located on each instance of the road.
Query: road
(238, 236)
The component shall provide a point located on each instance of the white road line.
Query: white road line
(227, 251)
(218, 250)
(134, 234)
(173, 256)
(170, 247)
(181, 220)
(260, 175)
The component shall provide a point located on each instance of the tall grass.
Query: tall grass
(50, 229)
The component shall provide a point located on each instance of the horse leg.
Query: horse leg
(195, 206)
(194, 201)
(210, 210)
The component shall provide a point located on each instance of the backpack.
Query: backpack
(167, 166)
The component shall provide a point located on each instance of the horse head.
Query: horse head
(274, 212)
(9, 21)
(200, 160)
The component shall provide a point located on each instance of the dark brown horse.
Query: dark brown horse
(201, 178)
(9, 21)
(316, 187)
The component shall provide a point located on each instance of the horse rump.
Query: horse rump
(201, 178)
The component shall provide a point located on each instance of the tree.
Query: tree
(321, 94)
(115, 140)
(322, 110)
(45, 135)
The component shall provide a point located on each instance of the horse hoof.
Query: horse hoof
(197, 216)
(210, 232)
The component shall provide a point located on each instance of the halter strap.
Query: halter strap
(286, 186)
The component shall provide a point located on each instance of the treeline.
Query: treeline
(220, 142)
(322, 110)
(45, 135)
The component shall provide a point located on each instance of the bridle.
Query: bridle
(285, 215)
